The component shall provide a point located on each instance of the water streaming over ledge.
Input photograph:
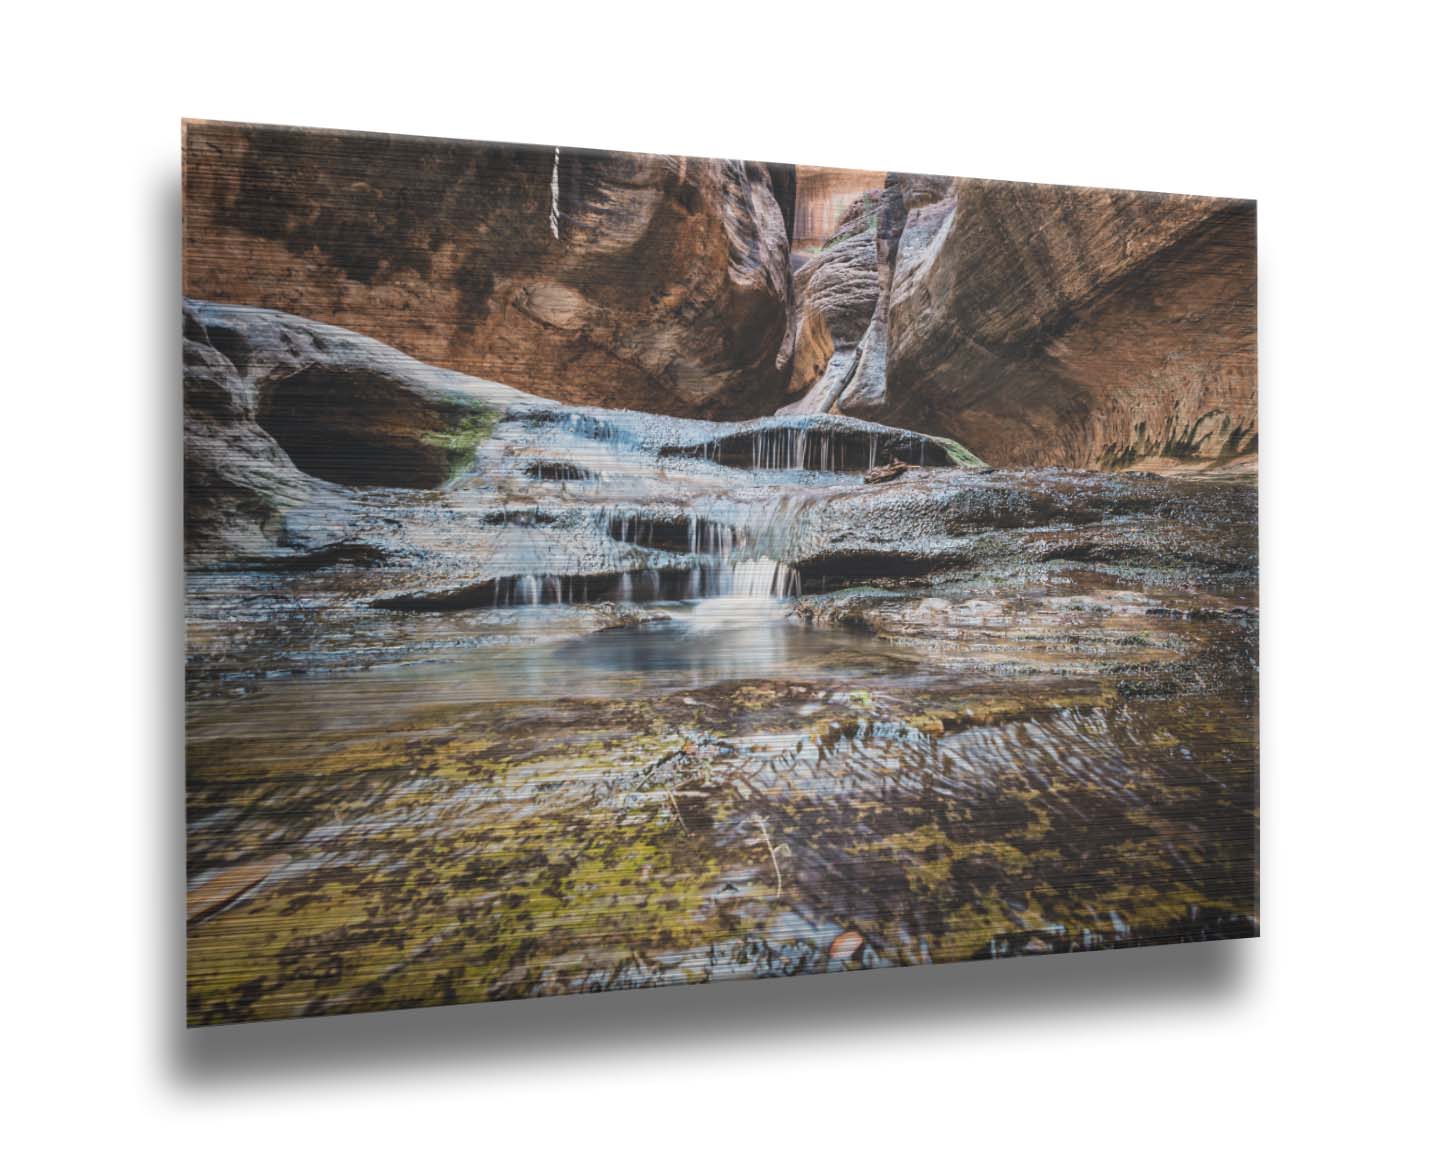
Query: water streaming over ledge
(693, 557)
(759, 578)
(722, 545)
(725, 558)
(807, 448)
(729, 544)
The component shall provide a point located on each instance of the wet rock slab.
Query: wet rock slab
(622, 700)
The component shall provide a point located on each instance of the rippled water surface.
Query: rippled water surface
(722, 791)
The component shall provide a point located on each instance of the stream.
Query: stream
(723, 791)
(639, 701)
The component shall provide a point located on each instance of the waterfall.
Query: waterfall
(803, 447)
(555, 197)
(763, 577)
(719, 551)
(534, 588)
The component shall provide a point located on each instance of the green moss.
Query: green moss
(475, 424)
(959, 455)
(488, 851)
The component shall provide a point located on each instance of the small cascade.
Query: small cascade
(789, 449)
(765, 578)
(740, 545)
(777, 527)
(532, 589)
(703, 579)
(535, 588)
(585, 426)
(712, 538)
(726, 559)
(806, 447)
(812, 450)
(687, 532)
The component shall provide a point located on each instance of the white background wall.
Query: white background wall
(1322, 1030)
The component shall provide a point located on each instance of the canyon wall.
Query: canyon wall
(822, 198)
(650, 282)
(1034, 324)
(1040, 324)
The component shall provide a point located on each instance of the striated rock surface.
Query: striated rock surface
(1055, 325)
(447, 675)
(330, 477)
(622, 280)
(824, 197)
(290, 423)
(1037, 325)
(282, 412)
(911, 208)
(835, 295)
(842, 299)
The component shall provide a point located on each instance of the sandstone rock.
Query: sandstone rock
(288, 422)
(623, 280)
(783, 187)
(912, 209)
(1055, 325)
(354, 477)
(835, 294)
(823, 196)
(281, 411)
(842, 300)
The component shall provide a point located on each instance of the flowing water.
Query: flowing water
(638, 749)
(724, 792)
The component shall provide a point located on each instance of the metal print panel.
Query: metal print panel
(607, 571)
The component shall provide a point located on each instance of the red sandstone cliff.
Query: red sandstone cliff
(607, 278)
(1053, 325)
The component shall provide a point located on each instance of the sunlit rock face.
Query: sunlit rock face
(842, 296)
(835, 293)
(823, 197)
(1051, 325)
(650, 282)
(1037, 325)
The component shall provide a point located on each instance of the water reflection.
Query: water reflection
(702, 643)
(719, 792)
(693, 645)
